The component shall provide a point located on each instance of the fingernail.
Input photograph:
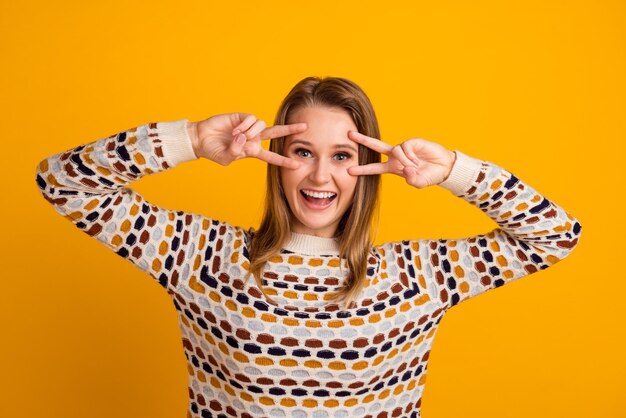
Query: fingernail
(236, 131)
(240, 139)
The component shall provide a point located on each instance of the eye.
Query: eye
(301, 152)
(342, 156)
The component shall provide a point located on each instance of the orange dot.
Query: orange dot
(195, 285)
(288, 402)
(310, 403)
(337, 365)
(464, 286)
(312, 364)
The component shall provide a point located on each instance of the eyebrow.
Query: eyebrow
(337, 146)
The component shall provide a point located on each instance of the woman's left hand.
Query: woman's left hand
(422, 163)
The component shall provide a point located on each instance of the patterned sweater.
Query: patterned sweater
(305, 356)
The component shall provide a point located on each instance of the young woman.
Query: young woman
(330, 325)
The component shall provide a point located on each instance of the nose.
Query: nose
(321, 172)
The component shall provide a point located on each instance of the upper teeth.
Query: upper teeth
(319, 195)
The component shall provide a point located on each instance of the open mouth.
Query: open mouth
(318, 198)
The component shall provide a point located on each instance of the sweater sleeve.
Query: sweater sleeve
(87, 185)
(533, 233)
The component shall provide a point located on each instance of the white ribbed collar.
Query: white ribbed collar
(311, 245)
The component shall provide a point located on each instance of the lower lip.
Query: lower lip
(313, 206)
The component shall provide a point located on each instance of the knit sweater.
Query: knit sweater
(306, 356)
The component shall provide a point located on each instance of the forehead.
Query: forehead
(324, 125)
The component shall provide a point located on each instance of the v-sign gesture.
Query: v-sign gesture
(422, 163)
(232, 136)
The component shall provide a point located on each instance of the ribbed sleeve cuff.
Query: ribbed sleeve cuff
(463, 174)
(177, 147)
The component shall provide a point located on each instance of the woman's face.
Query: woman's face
(321, 190)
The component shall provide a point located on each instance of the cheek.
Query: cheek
(348, 183)
(290, 180)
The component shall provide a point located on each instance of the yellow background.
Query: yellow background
(537, 87)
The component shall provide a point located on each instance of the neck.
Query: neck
(311, 245)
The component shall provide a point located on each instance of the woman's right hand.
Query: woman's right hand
(232, 136)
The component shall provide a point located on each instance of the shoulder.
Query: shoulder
(229, 234)
(208, 231)
(400, 247)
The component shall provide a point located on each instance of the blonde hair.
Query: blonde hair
(355, 230)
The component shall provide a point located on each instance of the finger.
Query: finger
(283, 130)
(255, 129)
(369, 169)
(427, 176)
(277, 159)
(413, 177)
(236, 146)
(408, 151)
(371, 143)
(432, 174)
(399, 154)
(245, 124)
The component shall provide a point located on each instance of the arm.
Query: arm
(533, 233)
(87, 185)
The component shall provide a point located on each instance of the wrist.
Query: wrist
(192, 131)
(463, 175)
(450, 165)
